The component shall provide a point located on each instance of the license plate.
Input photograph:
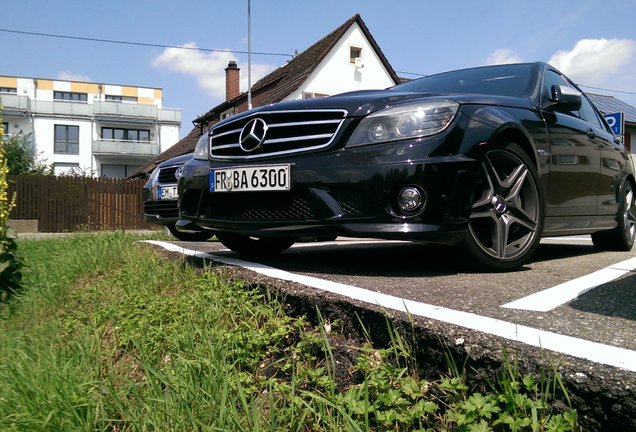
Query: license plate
(167, 193)
(253, 178)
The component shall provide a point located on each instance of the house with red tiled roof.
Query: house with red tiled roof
(346, 59)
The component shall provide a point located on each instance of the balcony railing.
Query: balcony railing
(61, 108)
(123, 147)
(118, 109)
(169, 115)
(14, 104)
(112, 111)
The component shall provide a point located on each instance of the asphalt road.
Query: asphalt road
(432, 275)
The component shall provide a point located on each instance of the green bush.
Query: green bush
(22, 157)
(10, 264)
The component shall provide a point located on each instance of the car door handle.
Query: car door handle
(591, 134)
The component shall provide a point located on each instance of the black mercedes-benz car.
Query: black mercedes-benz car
(489, 158)
(160, 199)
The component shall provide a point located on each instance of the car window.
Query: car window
(588, 113)
(503, 80)
(552, 78)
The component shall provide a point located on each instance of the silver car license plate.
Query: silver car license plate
(252, 178)
(166, 193)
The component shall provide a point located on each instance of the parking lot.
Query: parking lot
(570, 299)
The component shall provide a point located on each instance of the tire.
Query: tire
(620, 238)
(507, 213)
(190, 236)
(252, 246)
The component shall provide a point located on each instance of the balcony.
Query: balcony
(118, 109)
(114, 112)
(126, 112)
(125, 148)
(13, 104)
(169, 115)
(61, 108)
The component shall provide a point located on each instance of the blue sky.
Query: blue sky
(594, 42)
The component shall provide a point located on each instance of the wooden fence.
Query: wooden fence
(64, 204)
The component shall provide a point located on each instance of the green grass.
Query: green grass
(109, 335)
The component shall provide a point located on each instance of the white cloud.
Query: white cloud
(207, 67)
(602, 64)
(595, 61)
(68, 76)
(503, 56)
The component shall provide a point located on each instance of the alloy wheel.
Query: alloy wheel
(505, 218)
(629, 215)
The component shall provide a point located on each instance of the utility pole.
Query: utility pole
(249, 54)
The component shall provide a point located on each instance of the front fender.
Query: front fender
(491, 126)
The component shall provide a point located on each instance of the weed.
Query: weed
(108, 335)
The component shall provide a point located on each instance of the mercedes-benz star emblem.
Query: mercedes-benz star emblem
(253, 135)
(177, 173)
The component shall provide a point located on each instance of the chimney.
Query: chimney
(232, 81)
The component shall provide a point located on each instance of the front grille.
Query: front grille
(166, 175)
(287, 132)
(163, 209)
(259, 207)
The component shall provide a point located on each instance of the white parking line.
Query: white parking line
(548, 299)
(593, 351)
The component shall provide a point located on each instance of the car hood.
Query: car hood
(178, 160)
(364, 102)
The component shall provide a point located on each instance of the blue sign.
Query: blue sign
(616, 122)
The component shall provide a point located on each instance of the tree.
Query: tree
(22, 158)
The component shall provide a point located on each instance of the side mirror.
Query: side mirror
(566, 98)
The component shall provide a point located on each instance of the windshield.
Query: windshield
(503, 80)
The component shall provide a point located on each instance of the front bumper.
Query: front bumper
(349, 193)
(162, 212)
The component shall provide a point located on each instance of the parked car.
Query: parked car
(160, 199)
(489, 158)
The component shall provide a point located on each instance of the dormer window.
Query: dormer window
(354, 53)
(312, 95)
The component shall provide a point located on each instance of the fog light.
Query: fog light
(411, 199)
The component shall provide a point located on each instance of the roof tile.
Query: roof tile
(274, 87)
(609, 104)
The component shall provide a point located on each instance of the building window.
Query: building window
(121, 134)
(125, 99)
(70, 96)
(63, 168)
(66, 139)
(354, 53)
(5, 128)
(8, 90)
(118, 171)
(312, 95)
(228, 113)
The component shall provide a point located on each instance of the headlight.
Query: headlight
(201, 150)
(413, 120)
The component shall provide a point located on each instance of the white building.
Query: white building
(346, 59)
(108, 130)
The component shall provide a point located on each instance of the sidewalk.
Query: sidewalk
(41, 236)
